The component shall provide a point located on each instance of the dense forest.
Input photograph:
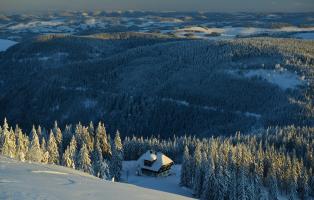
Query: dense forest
(144, 84)
(273, 162)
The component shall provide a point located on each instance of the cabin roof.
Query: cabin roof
(157, 159)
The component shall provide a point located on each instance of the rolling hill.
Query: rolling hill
(147, 84)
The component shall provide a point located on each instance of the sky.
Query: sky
(160, 5)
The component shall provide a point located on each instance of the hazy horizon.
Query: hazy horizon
(15, 6)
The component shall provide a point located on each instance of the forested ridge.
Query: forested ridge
(147, 84)
(273, 162)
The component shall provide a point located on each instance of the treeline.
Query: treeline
(81, 147)
(274, 162)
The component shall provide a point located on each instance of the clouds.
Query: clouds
(158, 5)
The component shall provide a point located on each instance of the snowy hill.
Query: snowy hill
(5, 44)
(167, 184)
(37, 181)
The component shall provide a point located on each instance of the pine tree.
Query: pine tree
(34, 153)
(101, 136)
(84, 162)
(58, 137)
(67, 160)
(185, 178)
(73, 151)
(303, 187)
(117, 158)
(199, 173)
(104, 171)
(3, 132)
(273, 188)
(197, 159)
(22, 144)
(97, 159)
(242, 192)
(9, 145)
(53, 149)
(210, 185)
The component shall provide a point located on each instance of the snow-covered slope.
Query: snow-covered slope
(5, 44)
(167, 184)
(37, 181)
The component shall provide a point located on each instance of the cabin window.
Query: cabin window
(148, 163)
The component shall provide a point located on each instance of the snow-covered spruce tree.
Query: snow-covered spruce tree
(3, 132)
(83, 137)
(117, 158)
(231, 178)
(197, 160)
(273, 187)
(39, 133)
(84, 161)
(43, 145)
(67, 160)
(199, 175)
(34, 154)
(185, 178)
(210, 185)
(303, 187)
(104, 171)
(73, 151)
(22, 144)
(58, 137)
(9, 145)
(97, 159)
(52, 148)
(242, 189)
(101, 136)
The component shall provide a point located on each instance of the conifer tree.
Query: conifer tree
(22, 144)
(9, 145)
(84, 161)
(303, 187)
(101, 136)
(53, 149)
(97, 160)
(67, 160)
(34, 154)
(73, 151)
(185, 178)
(273, 188)
(58, 137)
(4, 130)
(104, 171)
(117, 158)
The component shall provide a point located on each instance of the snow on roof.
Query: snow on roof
(159, 160)
(149, 155)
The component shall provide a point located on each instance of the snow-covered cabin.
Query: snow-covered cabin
(154, 164)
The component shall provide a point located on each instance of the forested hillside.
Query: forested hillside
(272, 163)
(146, 84)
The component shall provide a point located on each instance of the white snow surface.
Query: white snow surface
(283, 79)
(5, 44)
(305, 36)
(230, 32)
(30, 181)
(169, 184)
